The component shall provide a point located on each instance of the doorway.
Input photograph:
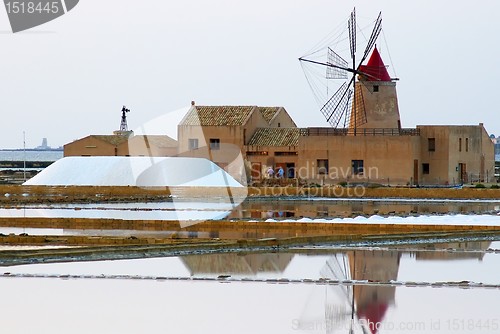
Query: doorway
(415, 172)
(290, 170)
(256, 171)
(462, 173)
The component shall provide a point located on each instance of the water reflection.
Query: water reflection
(369, 298)
(363, 307)
(235, 264)
(142, 306)
(358, 306)
(254, 209)
(349, 307)
(329, 208)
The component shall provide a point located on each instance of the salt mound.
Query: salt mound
(134, 171)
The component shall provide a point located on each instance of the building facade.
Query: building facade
(220, 133)
(122, 145)
(260, 142)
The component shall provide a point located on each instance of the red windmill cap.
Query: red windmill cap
(375, 69)
(374, 314)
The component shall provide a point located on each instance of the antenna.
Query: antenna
(123, 124)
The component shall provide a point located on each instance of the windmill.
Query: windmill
(346, 108)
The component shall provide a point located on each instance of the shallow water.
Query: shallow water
(142, 306)
(330, 210)
(411, 289)
(451, 262)
(405, 289)
(255, 209)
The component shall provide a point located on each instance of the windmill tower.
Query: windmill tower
(378, 93)
(123, 124)
(366, 100)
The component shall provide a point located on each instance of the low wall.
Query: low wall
(13, 194)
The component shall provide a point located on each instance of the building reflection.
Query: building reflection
(237, 264)
(462, 251)
(264, 209)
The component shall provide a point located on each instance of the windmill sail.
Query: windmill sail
(337, 107)
(373, 38)
(335, 72)
(346, 108)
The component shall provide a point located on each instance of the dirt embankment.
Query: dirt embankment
(18, 194)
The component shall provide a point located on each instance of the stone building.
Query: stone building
(379, 150)
(275, 148)
(122, 145)
(220, 133)
(372, 148)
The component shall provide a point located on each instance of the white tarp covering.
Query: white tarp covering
(134, 171)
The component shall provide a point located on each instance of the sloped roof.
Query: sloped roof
(268, 112)
(156, 140)
(217, 115)
(275, 137)
(111, 139)
(375, 68)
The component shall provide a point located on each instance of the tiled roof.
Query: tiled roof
(217, 115)
(111, 139)
(268, 112)
(275, 137)
(157, 140)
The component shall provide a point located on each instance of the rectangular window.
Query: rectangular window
(432, 144)
(285, 153)
(214, 143)
(375, 88)
(322, 166)
(357, 167)
(459, 144)
(425, 169)
(257, 153)
(193, 144)
(466, 144)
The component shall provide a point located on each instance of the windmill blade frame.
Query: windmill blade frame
(351, 25)
(336, 66)
(373, 38)
(335, 108)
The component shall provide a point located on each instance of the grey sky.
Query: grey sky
(70, 77)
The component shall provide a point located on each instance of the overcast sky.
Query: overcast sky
(70, 77)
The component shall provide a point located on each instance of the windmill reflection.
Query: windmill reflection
(360, 307)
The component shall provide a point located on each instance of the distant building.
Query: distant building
(45, 147)
(118, 145)
(122, 143)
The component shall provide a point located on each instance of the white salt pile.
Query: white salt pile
(134, 171)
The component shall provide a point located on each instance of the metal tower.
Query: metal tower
(123, 124)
